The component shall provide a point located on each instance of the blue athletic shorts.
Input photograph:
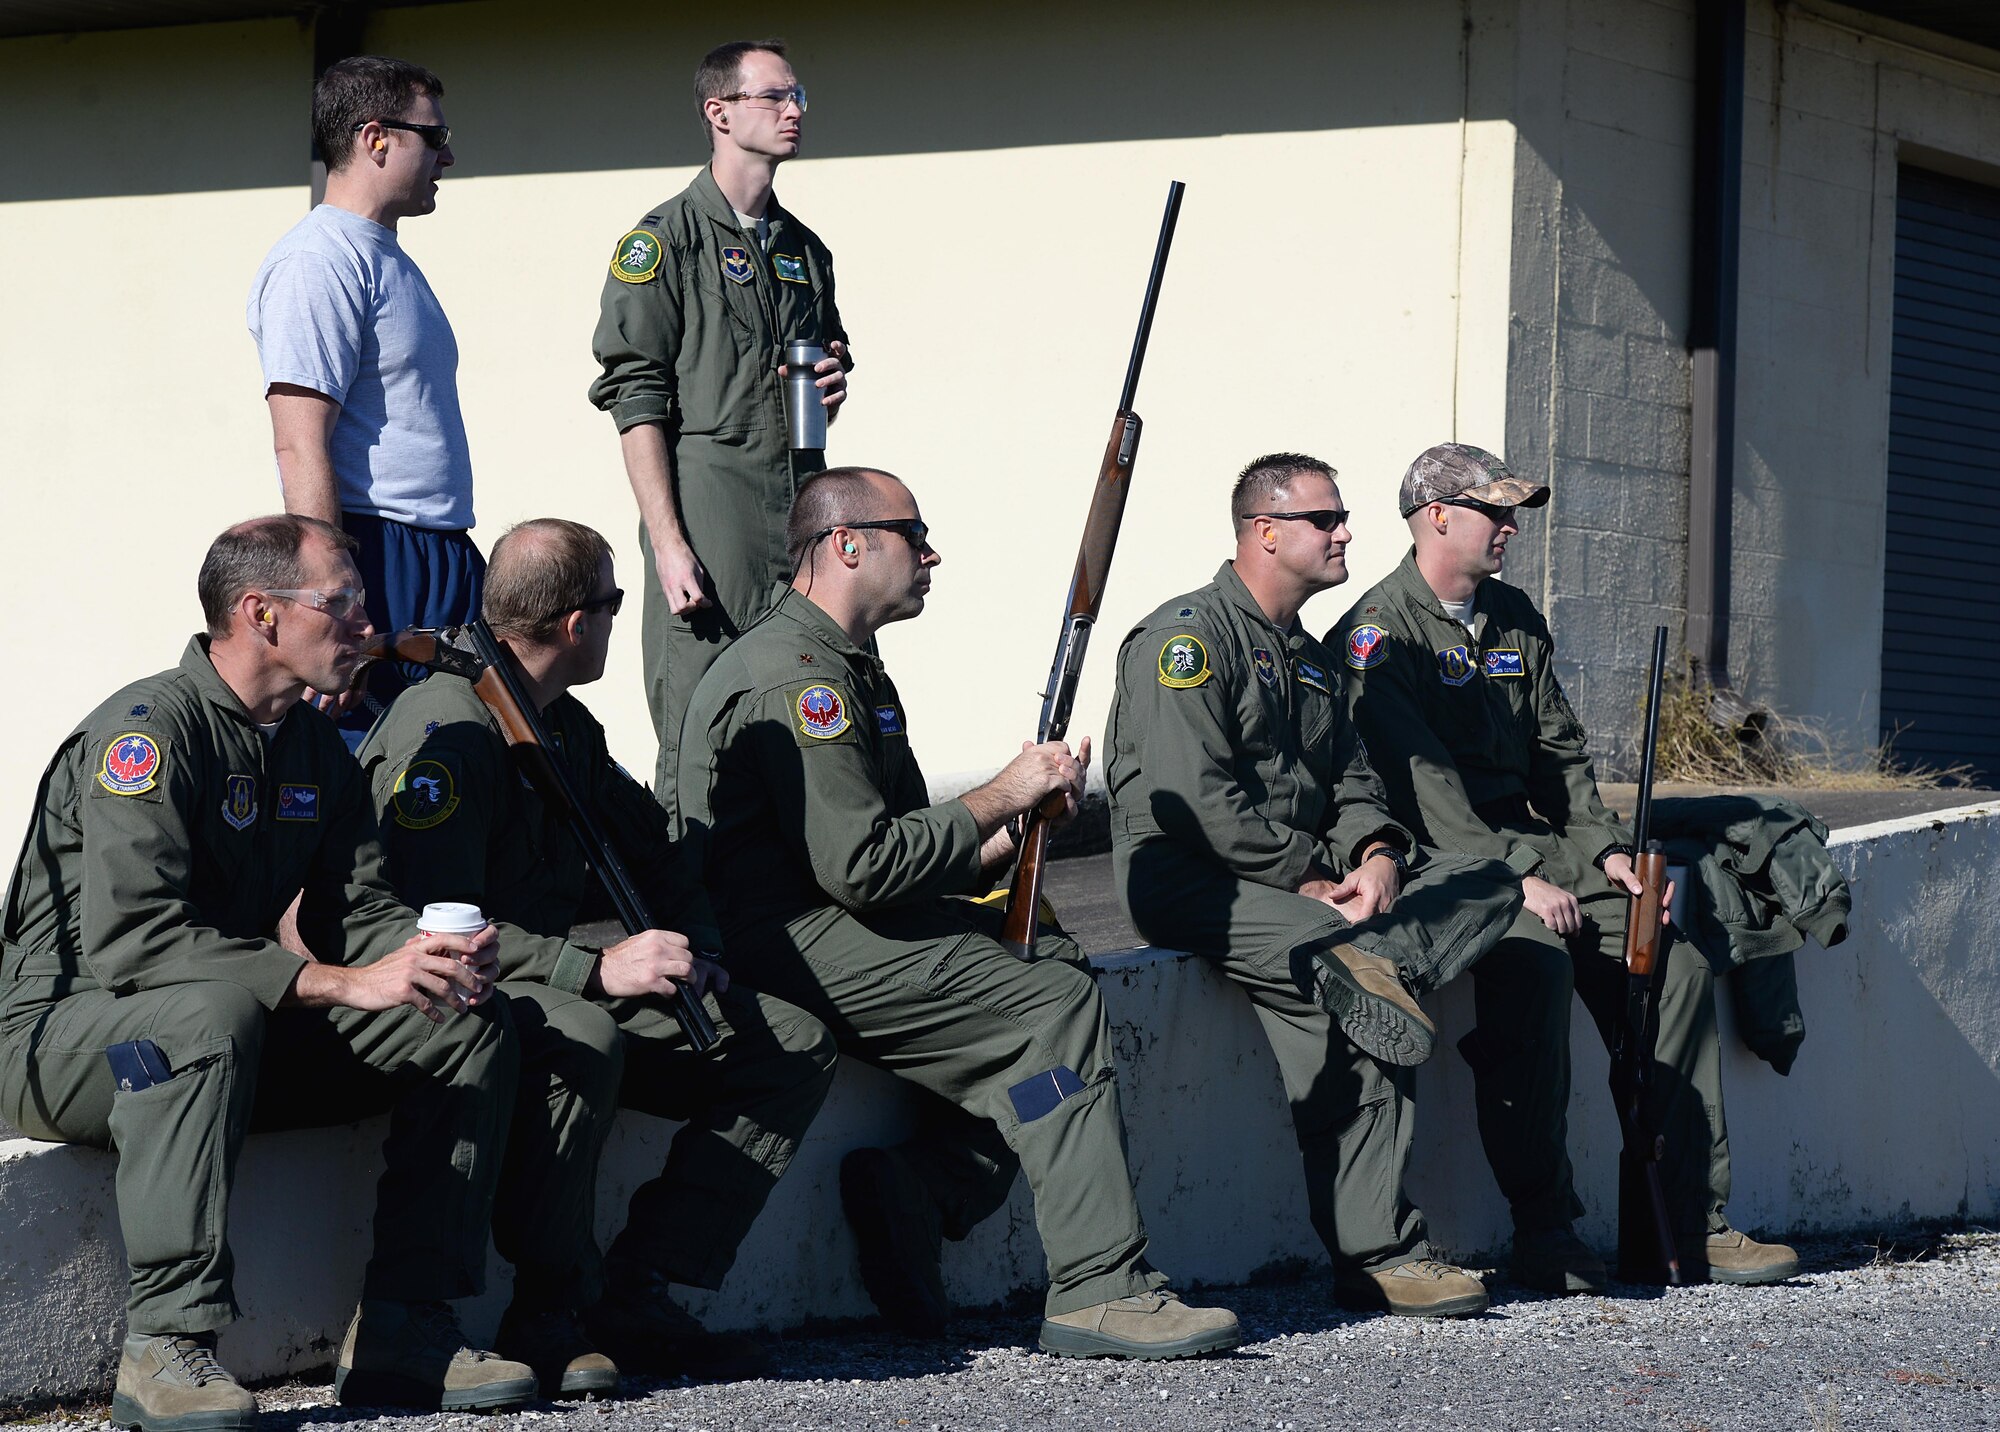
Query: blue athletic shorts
(416, 577)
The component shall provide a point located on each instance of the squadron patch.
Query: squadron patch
(1505, 661)
(239, 801)
(889, 720)
(822, 712)
(789, 269)
(1311, 675)
(424, 796)
(131, 764)
(297, 802)
(1266, 664)
(1366, 646)
(736, 266)
(1455, 666)
(637, 258)
(1183, 662)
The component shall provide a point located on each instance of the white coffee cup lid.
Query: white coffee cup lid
(451, 917)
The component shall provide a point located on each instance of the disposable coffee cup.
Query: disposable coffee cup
(450, 917)
(805, 414)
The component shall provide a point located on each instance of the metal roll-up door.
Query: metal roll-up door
(1941, 577)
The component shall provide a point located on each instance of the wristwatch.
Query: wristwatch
(1616, 848)
(1394, 856)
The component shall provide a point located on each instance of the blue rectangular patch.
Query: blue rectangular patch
(1311, 675)
(1040, 1095)
(889, 720)
(298, 802)
(1504, 661)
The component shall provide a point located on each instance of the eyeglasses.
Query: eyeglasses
(437, 136)
(1499, 516)
(1324, 518)
(340, 603)
(777, 98)
(611, 601)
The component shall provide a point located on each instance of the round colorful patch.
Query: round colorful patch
(637, 258)
(1366, 645)
(1183, 661)
(424, 796)
(822, 713)
(131, 764)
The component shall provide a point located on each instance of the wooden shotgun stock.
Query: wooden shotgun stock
(1086, 596)
(473, 652)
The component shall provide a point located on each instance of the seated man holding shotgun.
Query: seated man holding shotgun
(1451, 681)
(830, 866)
(461, 824)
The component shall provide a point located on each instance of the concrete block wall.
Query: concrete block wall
(1891, 1114)
(1598, 372)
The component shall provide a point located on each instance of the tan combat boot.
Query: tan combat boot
(171, 1382)
(553, 1343)
(1733, 1257)
(1425, 1288)
(1555, 1260)
(1146, 1326)
(639, 1324)
(1366, 996)
(413, 1355)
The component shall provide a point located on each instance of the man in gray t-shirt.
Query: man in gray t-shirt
(361, 368)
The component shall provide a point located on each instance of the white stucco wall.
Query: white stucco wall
(990, 183)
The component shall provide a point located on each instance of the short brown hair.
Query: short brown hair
(828, 499)
(717, 74)
(261, 553)
(541, 570)
(358, 89)
(1260, 482)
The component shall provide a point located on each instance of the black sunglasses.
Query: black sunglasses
(1324, 518)
(914, 530)
(1487, 510)
(611, 601)
(437, 136)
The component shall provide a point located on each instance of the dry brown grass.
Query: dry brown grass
(1711, 742)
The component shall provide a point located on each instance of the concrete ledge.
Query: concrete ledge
(1893, 1114)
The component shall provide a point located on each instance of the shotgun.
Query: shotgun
(1646, 1248)
(473, 652)
(1086, 595)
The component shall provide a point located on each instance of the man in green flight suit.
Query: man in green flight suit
(829, 866)
(1451, 680)
(703, 295)
(459, 824)
(1249, 826)
(146, 1005)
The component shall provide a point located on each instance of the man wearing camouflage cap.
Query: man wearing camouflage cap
(1451, 681)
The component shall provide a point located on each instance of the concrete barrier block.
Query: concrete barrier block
(1891, 1114)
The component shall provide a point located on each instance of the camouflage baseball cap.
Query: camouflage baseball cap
(1460, 470)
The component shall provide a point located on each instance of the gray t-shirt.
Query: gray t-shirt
(338, 307)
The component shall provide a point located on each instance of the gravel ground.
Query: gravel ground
(1870, 1336)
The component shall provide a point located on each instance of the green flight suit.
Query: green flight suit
(478, 834)
(829, 868)
(1233, 771)
(692, 327)
(168, 836)
(1483, 755)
